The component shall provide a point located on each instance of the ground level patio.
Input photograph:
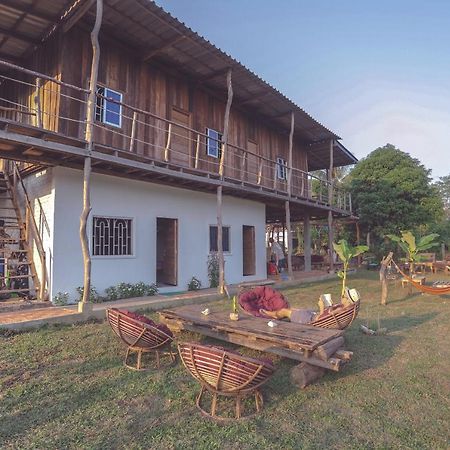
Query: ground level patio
(66, 387)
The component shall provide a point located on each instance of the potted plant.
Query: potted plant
(346, 253)
(234, 309)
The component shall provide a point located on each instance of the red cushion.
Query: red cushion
(262, 297)
(144, 319)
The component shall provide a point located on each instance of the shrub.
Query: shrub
(93, 294)
(213, 269)
(128, 290)
(61, 299)
(195, 284)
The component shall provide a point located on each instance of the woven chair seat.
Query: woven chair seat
(140, 337)
(225, 373)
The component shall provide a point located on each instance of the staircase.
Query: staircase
(17, 271)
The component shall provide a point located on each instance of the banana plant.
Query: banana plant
(412, 247)
(346, 252)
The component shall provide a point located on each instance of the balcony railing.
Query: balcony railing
(41, 101)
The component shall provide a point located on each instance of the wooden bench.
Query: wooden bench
(417, 278)
(318, 349)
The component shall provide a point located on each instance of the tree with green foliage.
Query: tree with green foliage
(443, 187)
(391, 191)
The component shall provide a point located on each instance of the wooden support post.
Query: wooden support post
(305, 374)
(291, 142)
(166, 149)
(260, 169)
(226, 124)
(384, 265)
(289, 238)
(133, 131)
(87, 160)
(197, 151)
(37, 102)
(219, 188)
(307, 242)
(330, 204)
(243, 164)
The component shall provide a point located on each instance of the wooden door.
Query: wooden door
(248, 250)
(251, 163)
(167, 251)
(181, 145)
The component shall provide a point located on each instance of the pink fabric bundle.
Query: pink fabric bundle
(141, 318)
(262, 297)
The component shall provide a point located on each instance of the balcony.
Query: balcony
(42, 119)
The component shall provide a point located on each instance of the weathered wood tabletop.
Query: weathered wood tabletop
(317, 346)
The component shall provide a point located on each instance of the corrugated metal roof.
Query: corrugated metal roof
(145, 27)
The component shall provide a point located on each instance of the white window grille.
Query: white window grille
(213, 143)
(281, 169)
(108, 111)
(112, 236)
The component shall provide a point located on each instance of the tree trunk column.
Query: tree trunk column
(89, 136)
(307, 242)
(224, 147)
(330, 204)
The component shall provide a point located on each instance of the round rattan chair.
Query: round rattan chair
(340, 318)
(140, 337)
(225, 373)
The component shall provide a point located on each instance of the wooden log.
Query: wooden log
(328, 349)
(344, 354)
(37, 101)
(305, 374)
(87, 161)
(291, 140)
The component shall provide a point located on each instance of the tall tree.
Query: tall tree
(443, 187)
(392, 191)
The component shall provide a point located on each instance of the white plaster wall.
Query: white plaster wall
(41, 192)
(144, 202)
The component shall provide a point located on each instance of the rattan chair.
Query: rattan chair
(140, 337)
(225, 373)
(340, 318)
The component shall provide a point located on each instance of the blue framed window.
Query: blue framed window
(213, 143)
(108, 111)
(281, 169)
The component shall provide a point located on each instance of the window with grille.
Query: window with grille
(213, 239)
(111, 236)
(281, 169)
(213, 143)
(108, 111)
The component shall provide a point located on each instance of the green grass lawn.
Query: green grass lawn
(66, 387)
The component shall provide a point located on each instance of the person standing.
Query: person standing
(278, 253)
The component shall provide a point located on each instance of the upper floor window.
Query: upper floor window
(281, 169)
(108, 111)
(213, 143)
(213, 247)
(111, 236)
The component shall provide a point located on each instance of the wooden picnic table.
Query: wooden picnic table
(318, 349)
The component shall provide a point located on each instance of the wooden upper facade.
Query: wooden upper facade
(161, 100)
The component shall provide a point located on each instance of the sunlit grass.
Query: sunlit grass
(66, 387)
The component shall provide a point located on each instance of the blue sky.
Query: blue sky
(372, 71)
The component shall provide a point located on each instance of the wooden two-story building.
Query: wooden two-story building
(186, 144)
